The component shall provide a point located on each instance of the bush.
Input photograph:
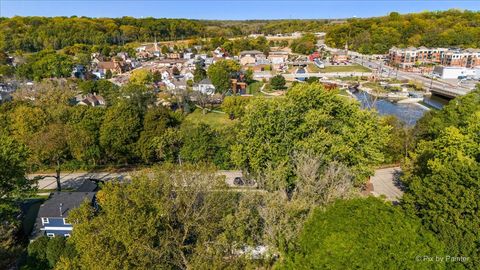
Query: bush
(278, 82)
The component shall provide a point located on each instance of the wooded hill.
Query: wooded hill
(370, 35)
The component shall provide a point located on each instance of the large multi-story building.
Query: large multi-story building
(411, 56)
(462, 58)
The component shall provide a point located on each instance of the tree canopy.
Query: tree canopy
(13, 186)
(363, 234)
(309, 118)
(450, 28)
(443, 177)
(220, 74)
(164, 219)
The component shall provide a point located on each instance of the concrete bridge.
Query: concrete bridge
(449, 92)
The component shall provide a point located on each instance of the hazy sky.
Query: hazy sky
(225, 9)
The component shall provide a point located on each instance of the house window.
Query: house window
(50, 234)
(65, 222)
(67, 235)
(45, 220)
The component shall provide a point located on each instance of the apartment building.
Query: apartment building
(462, 58)
(411, 56)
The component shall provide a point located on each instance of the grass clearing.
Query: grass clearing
(215, 120)
(350, 68)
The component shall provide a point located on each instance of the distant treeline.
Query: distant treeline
(32, 34)
(372, 35)
(452, 28)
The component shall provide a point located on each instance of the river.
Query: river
(408, 113)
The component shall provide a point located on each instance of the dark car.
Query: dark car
(238, 181)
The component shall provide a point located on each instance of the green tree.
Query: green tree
(309, 118)
(347, 233)
(443, 175)
(199, 143)
(25, 121)
(45, 252)
(278, 82)
(55, 247)
(83, 133)
(199, 74)
(37, 257)
(234, 106)
(304, 45)
(49, 146)
(157, 76)
(155, 124)
(165, 49)
(108, 74)
(46, 64)
(141, 77)
(220, 74)
(13, 186)
(120, 129)
(172, 229)
(13, 164)
(400, 140)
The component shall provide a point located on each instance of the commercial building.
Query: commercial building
(456, 72)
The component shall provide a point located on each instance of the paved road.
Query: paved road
(385, 182)
(74, 180)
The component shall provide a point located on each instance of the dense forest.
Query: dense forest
(453, 28)
(32, 34)
(371, 35)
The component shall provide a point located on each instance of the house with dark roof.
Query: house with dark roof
(53, 213)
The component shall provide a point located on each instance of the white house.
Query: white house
(188, 55)
(205, 86)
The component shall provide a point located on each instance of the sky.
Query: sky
(220, 9)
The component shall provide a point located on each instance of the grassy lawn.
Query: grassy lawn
(312, 68)
(351, 68)
(215, 120)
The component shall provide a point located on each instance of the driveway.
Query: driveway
(386, 182)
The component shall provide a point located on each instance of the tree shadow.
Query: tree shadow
(397, 175)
